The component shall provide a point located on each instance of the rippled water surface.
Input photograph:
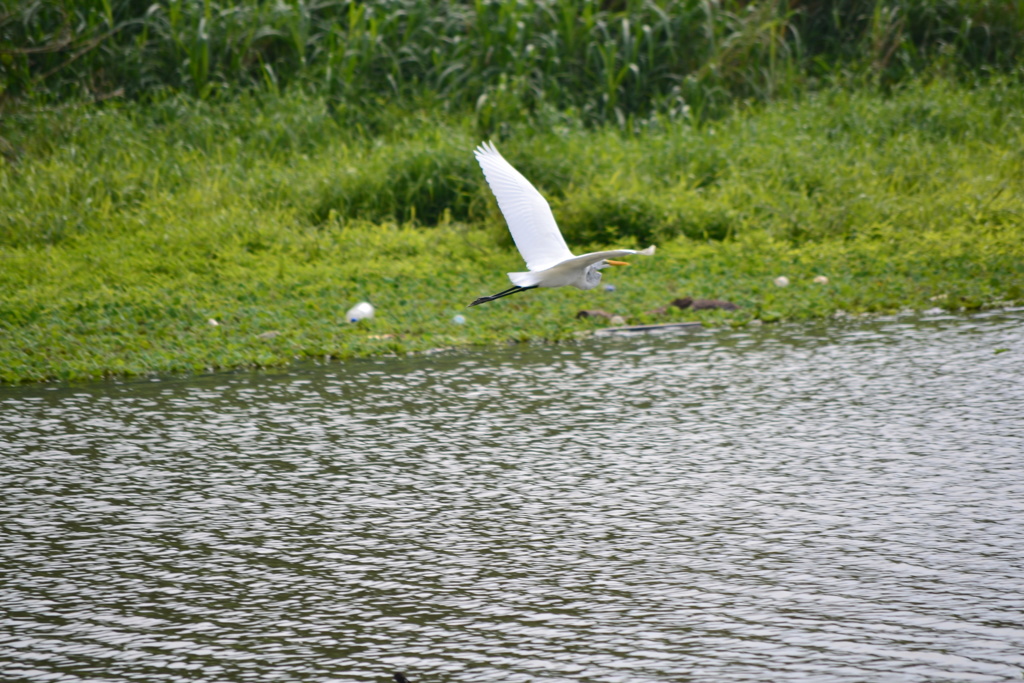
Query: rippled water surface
(839, 502)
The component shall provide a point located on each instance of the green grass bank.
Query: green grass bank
(126, 228)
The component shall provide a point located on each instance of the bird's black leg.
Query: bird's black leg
(510, 290)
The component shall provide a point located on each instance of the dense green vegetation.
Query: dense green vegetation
(267, 165)
(605, 61)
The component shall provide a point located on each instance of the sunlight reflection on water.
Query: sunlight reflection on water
(805, 502)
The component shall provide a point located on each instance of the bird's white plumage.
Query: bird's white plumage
(570, 272)
(527, 213)
(536, 234)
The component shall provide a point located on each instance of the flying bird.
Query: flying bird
(536, 234)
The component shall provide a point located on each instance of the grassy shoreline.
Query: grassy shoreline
(125, 229)
(265, 324)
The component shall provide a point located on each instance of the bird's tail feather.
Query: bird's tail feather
(527, 279)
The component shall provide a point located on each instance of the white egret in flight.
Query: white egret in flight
(536, 234)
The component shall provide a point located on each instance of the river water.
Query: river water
(827, 502)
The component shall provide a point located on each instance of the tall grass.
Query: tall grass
(505, 59)
(268, 163)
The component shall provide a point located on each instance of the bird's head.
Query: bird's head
(600, 265)
(593, 274)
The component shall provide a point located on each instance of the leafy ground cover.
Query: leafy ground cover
(126, 228)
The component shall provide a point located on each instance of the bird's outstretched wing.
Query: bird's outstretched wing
(526, 211)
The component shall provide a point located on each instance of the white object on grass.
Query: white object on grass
(361, 311)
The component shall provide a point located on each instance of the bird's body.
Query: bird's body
(536, 234)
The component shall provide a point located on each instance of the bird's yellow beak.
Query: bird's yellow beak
(616, 263)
